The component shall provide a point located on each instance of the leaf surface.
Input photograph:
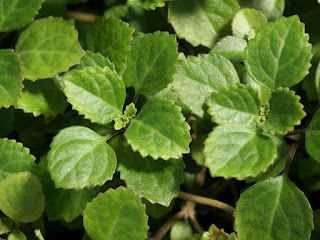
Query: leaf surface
(231, 47)
(313, 137)
(147, 4)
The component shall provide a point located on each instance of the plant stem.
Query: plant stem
(296, 132)
(82, 17)
(135, 98)
(291, 154)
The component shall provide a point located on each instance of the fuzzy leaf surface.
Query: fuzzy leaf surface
(21, 197)
(231, 47)
(313, 137)
(237, 104)
(158, 181)
(79, 158)
(159, 130)
(153, 54)
(281, 48)
(197, 77)
(273, 209)
(97, 93)
(10, 78)
(117, 215)
(48, 46)
(202, 22)
(147, 4)
(238, 151)
(91, 59)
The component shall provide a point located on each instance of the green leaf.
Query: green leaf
(42, 97)
(196, 149)
(14, 158)
(181, 230)
(10, 77)
(197, 77)
(91, 59)
(285, 112)
(17, 235)
(111, 37)
(231, 47)
(48, 46)
(117, 215)
(247, 20)
(317, 81)
(313, 137)
(238, 151)
(237, 104)
(21, 197)
(158, 181)
(153, 54)
(273, 209)
(6, 225)
(159, 130)
(148, 4)
(202, 22)
(16, 14)
(97, 93)
(79, 157)
(264, 92)
(279, 50)
(156, 210)
(308, 171)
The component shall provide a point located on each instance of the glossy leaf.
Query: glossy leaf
(97, 93)
(43, 42)
(79, 157)
(237, 104)
(159, 130)
(153, 54)
(16, 14)
(197, 77)
(281, 48)
(202, 22)
(238, 151)
(148, 4)
(117, 215)
(21, 197)
(313, 137)
(111, 37)
(10, 78)
(231, 47)
(14, 158)
(158, 181)
(273, 209)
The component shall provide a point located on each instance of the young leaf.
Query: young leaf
(148, 4)
(273, 209)
(279, 55)
(42, 97)
(6, 225)
(237, 104)
(10, 78)
(97, 93)
(16, 14)
(238, 151)
(79, 158)
(197, 77)
(117, 215)
(153, 54)
(21, 197)
(159, 130)
(111, 37)
(91, 59)
(202, 22)
(17, 235)
(317, 81)
(285, 112)
(181, 230)
(313, 137)
(158, 181)
(14, 158)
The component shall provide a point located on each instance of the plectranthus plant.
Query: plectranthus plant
(155, 119)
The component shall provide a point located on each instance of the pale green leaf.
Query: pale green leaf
(97, 93)
(91, 59)
(264, 92)
(42, 97)
(181, 230)
(21, 197)
(148, 4)
(111, 37)
(313, 137)
(10, 77)
(273, 209)
(118, 11)
(238, 151)
(153, 54)
(14, 158)
(231, 47)
(117, 215)
(279, 55)
(197, 77)
(285, 111)
(237, 104)
(15, 14)
(48, 46)
(79, 157)
(247, 20)
(158, 181)
(317, 81)
(159, 130)
(17, 235)
(202, 22)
